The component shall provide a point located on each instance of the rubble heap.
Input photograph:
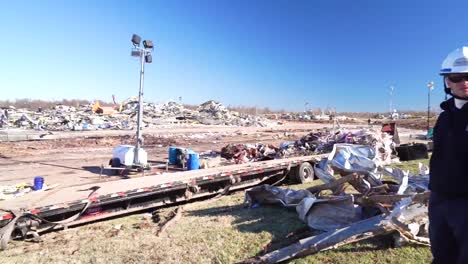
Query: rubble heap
(214, 113)
(313, 143)
(65, 118)
(323, 142)
(123, 116)
(243, 153)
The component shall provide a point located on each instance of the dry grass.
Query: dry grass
(211, 231)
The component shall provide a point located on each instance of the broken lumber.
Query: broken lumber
(392, 198)
(175, 218)
(352, 233)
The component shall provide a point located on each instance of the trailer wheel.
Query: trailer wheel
(304, 172)
(115, 162)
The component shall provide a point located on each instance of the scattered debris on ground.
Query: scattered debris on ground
(13, 191)
(383, 201)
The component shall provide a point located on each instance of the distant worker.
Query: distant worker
(369, 122)
(3, 118)
(448, 204)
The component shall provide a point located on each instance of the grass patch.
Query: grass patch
(412, 166)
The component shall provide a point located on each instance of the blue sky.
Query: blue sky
(278, 54)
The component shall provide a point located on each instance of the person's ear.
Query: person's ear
(446, 82)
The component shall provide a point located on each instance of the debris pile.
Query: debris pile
(123, 116)
(313, 143)
(214, 113)
(154, 111)
(384, 201)
(323, 142)
(243, 153)
(66, 118)
(8, 192)
(325, 116)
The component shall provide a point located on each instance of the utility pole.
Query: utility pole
(391, 99)
(430, 86)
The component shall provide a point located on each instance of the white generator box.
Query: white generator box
(126, 153)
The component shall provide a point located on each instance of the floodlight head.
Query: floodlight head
(136, 40)
(136, 53)
(148, 44)
(148, 58)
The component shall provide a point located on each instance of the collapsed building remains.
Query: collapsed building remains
(123, 116)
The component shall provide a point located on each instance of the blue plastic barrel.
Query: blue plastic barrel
(38, 183)
(173, 155)
(193, 162)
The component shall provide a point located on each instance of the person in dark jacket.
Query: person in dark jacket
(448, 204)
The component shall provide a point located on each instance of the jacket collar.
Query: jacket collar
(449, 105)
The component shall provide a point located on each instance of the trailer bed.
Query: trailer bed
(61, 200)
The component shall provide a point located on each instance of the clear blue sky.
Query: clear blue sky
(277, 53)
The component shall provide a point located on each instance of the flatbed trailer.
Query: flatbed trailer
(60, 208)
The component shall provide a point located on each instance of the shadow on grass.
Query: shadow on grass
(285, 227)
(278, 221)
(282, 223)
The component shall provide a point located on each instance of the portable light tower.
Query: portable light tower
(145, 57)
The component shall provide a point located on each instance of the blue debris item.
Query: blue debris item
(430, 133)
(38, 183)
(287, 144)
(173, 155)
(255, 205)
(193, 161)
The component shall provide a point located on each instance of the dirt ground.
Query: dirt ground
(76, 159)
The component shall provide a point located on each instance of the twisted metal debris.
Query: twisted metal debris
(387, 201)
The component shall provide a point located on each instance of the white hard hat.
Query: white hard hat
(456, 62)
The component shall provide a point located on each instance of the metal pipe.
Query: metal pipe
(139, 136)
(430, 85)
